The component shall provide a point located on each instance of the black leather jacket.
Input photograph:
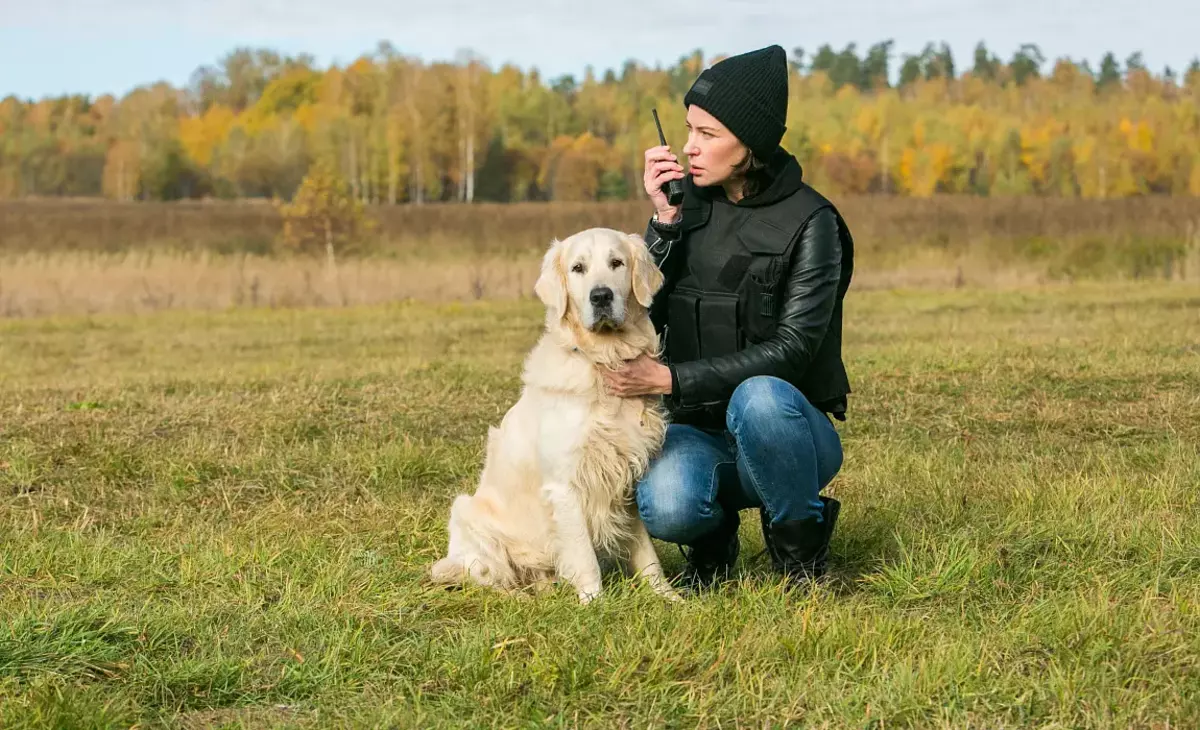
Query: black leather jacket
(753, 288)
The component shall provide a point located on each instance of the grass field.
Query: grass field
(224, 518)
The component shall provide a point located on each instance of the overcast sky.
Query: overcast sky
(49, 47)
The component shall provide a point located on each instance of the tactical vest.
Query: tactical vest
(730, 283)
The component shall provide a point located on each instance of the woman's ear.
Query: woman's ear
(647, 279)
(551, 287)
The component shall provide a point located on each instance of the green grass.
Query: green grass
(225, 519)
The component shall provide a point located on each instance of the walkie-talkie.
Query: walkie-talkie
(673, 188)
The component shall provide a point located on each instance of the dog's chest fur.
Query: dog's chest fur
(618, 437)
(617, 450)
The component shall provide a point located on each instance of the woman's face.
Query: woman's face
(712, 150)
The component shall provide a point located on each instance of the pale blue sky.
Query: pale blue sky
(96, 46)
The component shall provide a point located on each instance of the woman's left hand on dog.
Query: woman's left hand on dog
(641, 376)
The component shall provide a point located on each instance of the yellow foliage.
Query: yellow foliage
(1091, 171)
(283, 97)
(1036, 145)
(818, 84)
(924, 169)
(918, 133)
(307, 116)
(847, 94)
(573, 165)
(1141, 138)
(200, 136)
(868, 121)
(257, 124)
(400, 129)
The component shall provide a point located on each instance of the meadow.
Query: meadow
(223, 519)
(84, 256)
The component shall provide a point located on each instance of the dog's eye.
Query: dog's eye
(577, 268)
(616, 263)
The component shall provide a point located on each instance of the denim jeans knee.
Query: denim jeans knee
(677, 498)
(787, 449)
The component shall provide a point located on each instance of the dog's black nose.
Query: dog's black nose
(601, 296)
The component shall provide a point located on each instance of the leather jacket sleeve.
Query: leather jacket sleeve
(660, 242)
(809, 299)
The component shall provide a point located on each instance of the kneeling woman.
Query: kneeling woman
(756, 265)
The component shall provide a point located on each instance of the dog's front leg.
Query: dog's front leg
(643, 561)
(577, 561)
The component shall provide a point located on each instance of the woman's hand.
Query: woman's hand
(661, 166)
(642, 376)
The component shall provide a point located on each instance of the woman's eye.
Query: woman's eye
(577, 268)
(616, 263)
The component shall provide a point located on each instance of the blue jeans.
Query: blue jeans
(778, 452)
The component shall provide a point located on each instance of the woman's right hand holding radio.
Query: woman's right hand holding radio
(661, 166)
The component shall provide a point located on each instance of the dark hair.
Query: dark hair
(754, 174)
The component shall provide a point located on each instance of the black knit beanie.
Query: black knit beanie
(748, 93)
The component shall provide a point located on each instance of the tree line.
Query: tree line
(398, 129)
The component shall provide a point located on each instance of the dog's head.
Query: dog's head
(601, 277)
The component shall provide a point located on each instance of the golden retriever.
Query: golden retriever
(558, 477)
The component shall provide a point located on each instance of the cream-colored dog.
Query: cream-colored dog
(557, 483)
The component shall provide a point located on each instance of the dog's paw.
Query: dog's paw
(671, 595)
(447, 571)
(664, 590)
(586, 597)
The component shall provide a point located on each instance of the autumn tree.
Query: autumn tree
(1026, 63)
(1110, 72)
(940, 63)
(796, 62)
(242, 75)
(574, 167)
(986, 65)
(910, 69)
(323, 217)
(843, 68)
(875, 69)
(396, 129)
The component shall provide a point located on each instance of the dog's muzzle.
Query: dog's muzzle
(603, 315)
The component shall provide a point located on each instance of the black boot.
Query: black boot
(710, 559)
(800, 548)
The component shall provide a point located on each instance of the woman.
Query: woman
(756, 265)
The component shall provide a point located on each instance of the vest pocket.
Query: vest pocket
(719, 331)
(702, 325)
(683, 326)
(761, 288)
(762, 292)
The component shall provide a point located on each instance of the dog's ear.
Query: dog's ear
(551, 287)
(647, 279)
